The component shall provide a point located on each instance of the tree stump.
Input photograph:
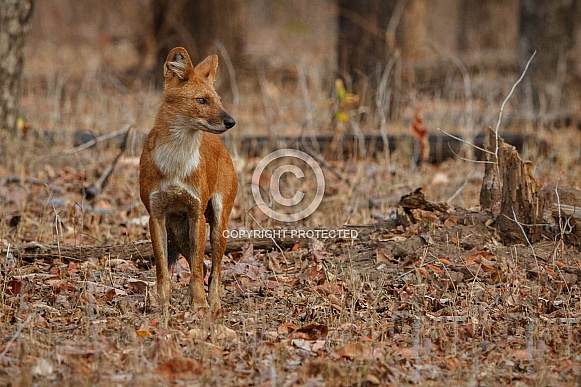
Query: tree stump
(522, 201)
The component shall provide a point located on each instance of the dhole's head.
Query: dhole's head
(189, 93)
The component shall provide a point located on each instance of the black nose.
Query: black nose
(229, 122)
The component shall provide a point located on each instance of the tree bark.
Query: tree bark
(14, 26)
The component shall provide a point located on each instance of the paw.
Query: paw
(214, 299)
(198, 302)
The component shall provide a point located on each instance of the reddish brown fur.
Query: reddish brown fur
(186, 176)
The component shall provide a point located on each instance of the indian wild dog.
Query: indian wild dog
(186, 176)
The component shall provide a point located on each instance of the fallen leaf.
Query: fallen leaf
(382, 257)
(179, 366)
(73, 267)
(450, 222)
(256, 286)
(60, 285)
(13, 287)
(335, 301)
(424, 273)
(302, 344)
(327, 288)
(109, 295)
(405, 352)
(285, 328)
(550, 272)
(519, 354)
(318, 345)
(453, 363)
(143, 333)
(439, 272)
(483, 259)
(223, 333)
(314, 275)
(199, 334)
(425, 216)
(138, 285)
(453, 277)
(316, 245)
(352, 351)
(348, 326)
(310, 332)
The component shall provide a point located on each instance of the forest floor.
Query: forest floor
(434, 301)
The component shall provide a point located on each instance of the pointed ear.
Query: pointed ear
(207, 68)
(177, 64)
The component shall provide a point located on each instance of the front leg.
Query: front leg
(197, 237)
(218, 243)
(158, 233)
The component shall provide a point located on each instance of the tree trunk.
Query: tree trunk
(551, 28)
(365, 44)
(14, 26)
(413, 31)
(196, 25)
(488, 25)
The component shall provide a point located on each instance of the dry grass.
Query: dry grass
(432, 304)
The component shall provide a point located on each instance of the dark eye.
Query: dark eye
(202, 101)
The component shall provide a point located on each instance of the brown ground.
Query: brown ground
(435, 302)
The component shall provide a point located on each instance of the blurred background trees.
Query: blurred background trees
(419, 44)
(553, 29)
(199, 25)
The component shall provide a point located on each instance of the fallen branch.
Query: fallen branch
(94, 141)
(94, 190)
(140, 252)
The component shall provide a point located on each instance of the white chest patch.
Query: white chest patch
(178, 158)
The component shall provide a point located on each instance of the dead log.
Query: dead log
(439, 147)
(140, 252)
(522, 201)
(565, 209)
(568, 223)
